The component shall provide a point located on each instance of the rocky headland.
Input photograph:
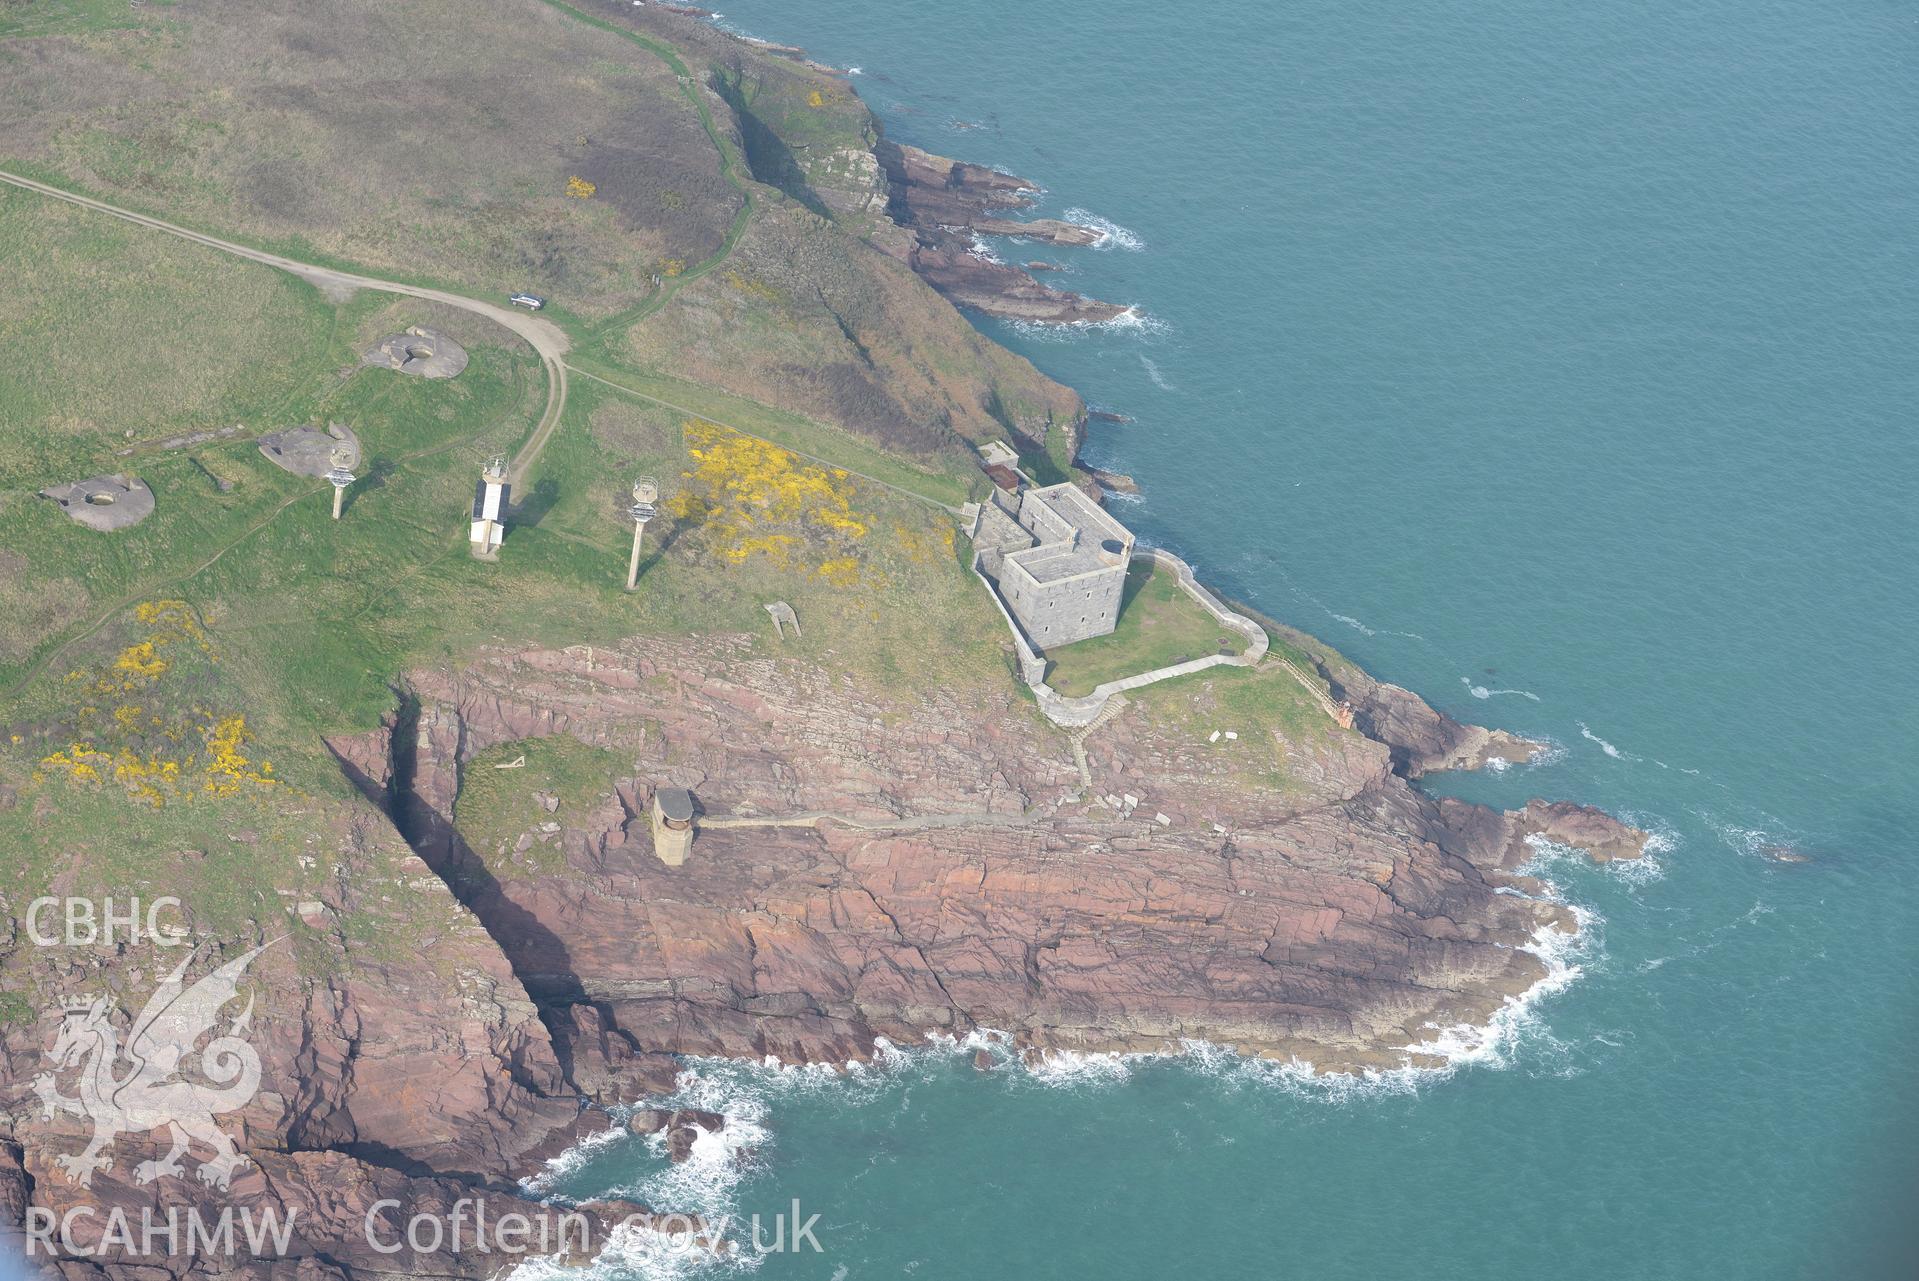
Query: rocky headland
(461, 1001)
(866, 867)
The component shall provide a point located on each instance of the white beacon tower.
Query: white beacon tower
(489, 509)
(341, 475)
(646, 496)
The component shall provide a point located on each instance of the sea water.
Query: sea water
(1557, 361)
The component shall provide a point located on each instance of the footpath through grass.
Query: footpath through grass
(730, 164)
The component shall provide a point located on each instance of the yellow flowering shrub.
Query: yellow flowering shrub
(749, 498)
(155, 752)
(579, 188)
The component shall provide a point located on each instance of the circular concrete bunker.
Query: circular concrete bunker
(418, 350)
(105, 503)
(308, 451)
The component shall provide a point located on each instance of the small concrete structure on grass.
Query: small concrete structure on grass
(425, 352)
(783, 618)
(308, 451)
(105, 503)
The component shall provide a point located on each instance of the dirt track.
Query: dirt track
(545, 337)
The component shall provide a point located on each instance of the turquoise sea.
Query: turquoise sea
(1560, 362)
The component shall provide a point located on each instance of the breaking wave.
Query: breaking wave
(1111, 234)
(745, 1092)
(1754, 842)
(1132, 320)
(978, 248)
(1633, 872)
(1361, 628)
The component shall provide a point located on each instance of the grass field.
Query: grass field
(87, 370)
(314, 619)
(210, 113)
(62, 17)
(1159, 625)
(1279, 727)
(500, 798)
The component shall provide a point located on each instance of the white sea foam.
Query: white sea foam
(1604, 746)
(1072, 1069)
(1554, 754)
(571, 1159)
(745, 1092)
(1111, 234)
(1514, 1030)
(1358, 626)
(1480, 691)
(1132, 320)
(855, 71)
(1757, 842)
(1547, 855)
(978, 248)
(1152, 372)
(1514, 1033)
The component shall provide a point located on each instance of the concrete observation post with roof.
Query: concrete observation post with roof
(671, 818)
(1058, 559)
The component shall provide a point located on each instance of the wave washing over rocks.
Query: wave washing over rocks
(749, 1095)
(1111, 234)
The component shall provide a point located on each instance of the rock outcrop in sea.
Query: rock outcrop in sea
(948, 204)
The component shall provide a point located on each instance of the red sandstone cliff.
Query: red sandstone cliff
(965, 882)
(432, 1036)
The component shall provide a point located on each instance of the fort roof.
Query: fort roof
(1070, 504)
(1051, 562)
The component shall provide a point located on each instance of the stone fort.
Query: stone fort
(1058, 560)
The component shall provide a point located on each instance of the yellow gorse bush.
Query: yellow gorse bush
(579, 188)
(749, 498)
(156, 755)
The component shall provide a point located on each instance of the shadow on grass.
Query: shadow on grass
(529, 511)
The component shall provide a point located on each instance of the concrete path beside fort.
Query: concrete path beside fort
(545, 337)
